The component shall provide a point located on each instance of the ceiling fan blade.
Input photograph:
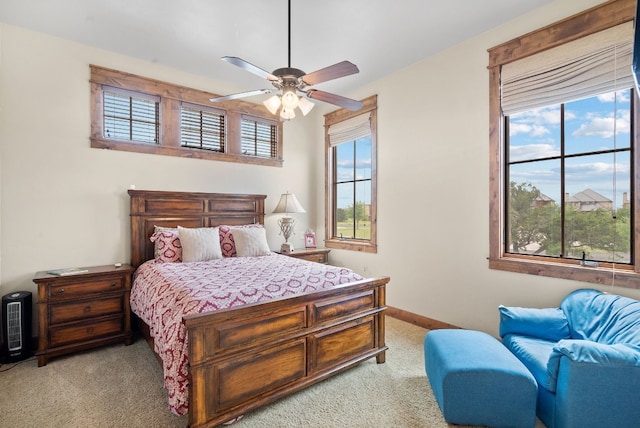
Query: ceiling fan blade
(249, 67)
(240, 95)
(338, 100)
(341, 69)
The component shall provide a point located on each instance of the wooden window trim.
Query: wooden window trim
(370, 105)
(171, 97)
(590, 21)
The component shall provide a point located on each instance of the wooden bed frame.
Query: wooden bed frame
(243, 358)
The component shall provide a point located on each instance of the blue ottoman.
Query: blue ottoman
(477, 381)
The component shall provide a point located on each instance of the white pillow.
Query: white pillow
(251, 241)
(200, 244)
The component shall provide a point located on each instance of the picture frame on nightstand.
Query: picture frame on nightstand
(309, 240)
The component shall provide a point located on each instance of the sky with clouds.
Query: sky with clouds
(354, 166)
(592, 125)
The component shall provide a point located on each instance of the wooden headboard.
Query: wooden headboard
(170, 209)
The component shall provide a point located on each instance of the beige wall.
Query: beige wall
(433, 159)
(65, 204)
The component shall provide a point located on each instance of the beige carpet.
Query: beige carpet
(121, 386)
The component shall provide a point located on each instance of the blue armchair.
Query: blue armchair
(584, 355)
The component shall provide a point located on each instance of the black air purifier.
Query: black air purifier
(16, 326)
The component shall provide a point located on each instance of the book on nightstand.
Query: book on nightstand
(67, 271)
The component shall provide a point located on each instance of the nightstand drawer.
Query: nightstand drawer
(316, 255)
(85, 288)
(318, 258)
(84, 331)
(90, 309)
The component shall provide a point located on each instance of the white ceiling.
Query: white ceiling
(379, 36)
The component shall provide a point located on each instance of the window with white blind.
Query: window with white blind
(202, 128)
(259, 137)
(564, 111)
(351, 200)
(131, 116)
(137, 114)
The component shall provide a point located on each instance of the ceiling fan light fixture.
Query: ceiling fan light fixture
(287, 114)
(289, 99)
(305, 105)
(272, 104)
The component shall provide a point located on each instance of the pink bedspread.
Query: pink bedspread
(162, 293)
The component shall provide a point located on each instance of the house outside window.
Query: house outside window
(351, 200)
(563, 150)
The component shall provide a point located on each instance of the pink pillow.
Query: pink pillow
(227, 244)
(167, 245)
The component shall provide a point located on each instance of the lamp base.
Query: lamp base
(286, 248)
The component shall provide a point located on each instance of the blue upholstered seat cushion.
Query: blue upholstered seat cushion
(547, 323)
(601, 317)
(534, 354)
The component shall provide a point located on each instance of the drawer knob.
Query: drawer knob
(87, 308)
(113, 284)
(60, 290)
(90, 330)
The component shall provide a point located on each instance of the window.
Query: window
(202, 128)
(568, 170)
(138, 114)
(130, 116)
(351, 219)
(259, 137)
(563, 150)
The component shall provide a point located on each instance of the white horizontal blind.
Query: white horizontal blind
(350, 130)
(130, 116)
(259, 137)
(589, 66)
(202, 127)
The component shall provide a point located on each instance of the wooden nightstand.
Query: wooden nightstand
(320, 255)
(83, 310)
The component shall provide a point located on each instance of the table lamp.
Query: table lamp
(288, 204)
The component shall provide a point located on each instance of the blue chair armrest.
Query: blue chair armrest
(546, 323)
(586, 351)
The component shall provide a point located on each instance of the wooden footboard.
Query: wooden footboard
(244, 358)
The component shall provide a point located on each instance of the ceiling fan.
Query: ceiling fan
(292, 81)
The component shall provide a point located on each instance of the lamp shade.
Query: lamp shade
(305, 105)
(289, 204)
(287, 114)
(272, 104)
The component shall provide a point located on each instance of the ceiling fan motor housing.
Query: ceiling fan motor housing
(289, 77)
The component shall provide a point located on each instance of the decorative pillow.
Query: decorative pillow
(227, 244)
(167, 247)
(251, 241)
(199, 244)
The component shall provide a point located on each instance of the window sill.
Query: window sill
(620, 276)
(353, 245)
(102, 143)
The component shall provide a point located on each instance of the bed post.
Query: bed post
(382, 303)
